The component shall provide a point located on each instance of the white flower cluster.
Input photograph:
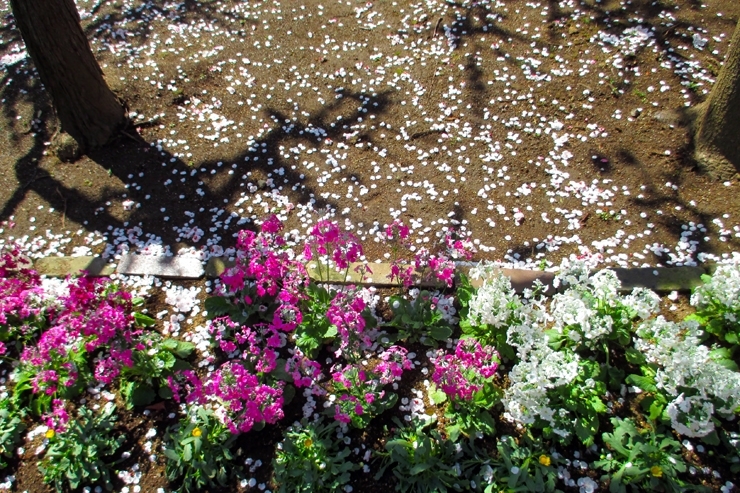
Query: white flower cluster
(723, 289)
(575, 271)
(643, 302)
(540, 369)
(531, 379)
(590, 304)
(587, 308)
(684, 363)
(495, 303)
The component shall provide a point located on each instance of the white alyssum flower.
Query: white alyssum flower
(496, 303)
(574, 271)
(644, 302)
(590, 304)
(684, 363)
(723, 289)
(544, 369)
(691, 416)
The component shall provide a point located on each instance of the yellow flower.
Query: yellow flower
(545, 460)
(197, 432)
(307, 443)
(50, 433)
(656, 471)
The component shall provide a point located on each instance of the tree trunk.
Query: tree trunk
(717, 134)
(87, 108)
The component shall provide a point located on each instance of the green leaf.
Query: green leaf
(555, 339)
(697, 318)
(436, 395)
(142, 320)
(656, 409)
(645, 383)
(183, 349)
(597, 404)
(467, 327)
(419, 468)
(309, 345)
(711, 439)
(288, 394)
(440, 332)
(126, 389)
(331, 332)
(616, 377)
(142, 395)
(165, 392)
(181, 365)
(634, 356)
(279, 371)
(218, 306)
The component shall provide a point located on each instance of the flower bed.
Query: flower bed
(479, 390)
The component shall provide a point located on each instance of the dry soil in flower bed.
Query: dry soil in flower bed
(512, 122)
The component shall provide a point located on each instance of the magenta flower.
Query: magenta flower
(57, 420)
(262, 259)
(345, 313)
(396, 231)
(326, 239)
(462, 374)
(305, 371)
(246, 400)
(20, 289)
(107, 370)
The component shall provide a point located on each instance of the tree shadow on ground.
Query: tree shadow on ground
(100, 20)
(203, 188)
(657, 196)
(253, 172)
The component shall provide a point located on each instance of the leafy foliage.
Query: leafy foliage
(717, 305)
(198, 451)
(524, 465)
(11, 428)
(311, 458)
(152, 366)
(77, 456)
(419, 319)
(422, 460)
(643, 458)
(315, 329)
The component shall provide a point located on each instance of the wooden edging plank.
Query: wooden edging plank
(659, 279)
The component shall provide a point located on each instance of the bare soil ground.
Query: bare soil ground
(512, 122)
(539, 129)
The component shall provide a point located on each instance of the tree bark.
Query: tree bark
(87, 108)
(717, 128)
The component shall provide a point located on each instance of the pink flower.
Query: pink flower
(228, 346)
(57, 420)
(464, 373)
(325, 238)
(272, 225)
(341, 416)
(396, 230)
(107, 370)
